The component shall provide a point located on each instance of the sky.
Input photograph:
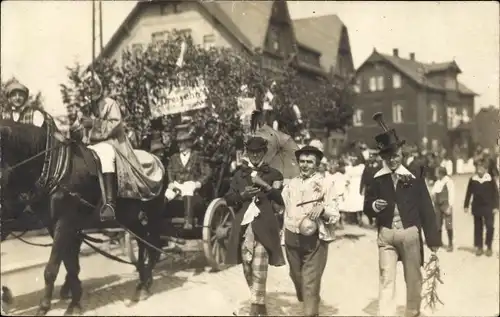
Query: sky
(40, 38)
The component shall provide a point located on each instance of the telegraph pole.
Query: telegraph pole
(100, 27)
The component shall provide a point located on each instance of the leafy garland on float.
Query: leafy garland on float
(138, 78)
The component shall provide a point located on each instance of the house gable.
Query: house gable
(280, 37)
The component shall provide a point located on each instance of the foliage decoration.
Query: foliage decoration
(140, 78)
(431, 282)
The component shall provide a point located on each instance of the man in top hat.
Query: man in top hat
(105, 131)
(18, 109)
(400, 201)
(254, 239)
(311, 211)
(187, 172)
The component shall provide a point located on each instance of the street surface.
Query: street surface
(183, 286)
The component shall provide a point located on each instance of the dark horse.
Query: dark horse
(66, 205)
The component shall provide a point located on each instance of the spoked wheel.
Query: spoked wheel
(218, 218)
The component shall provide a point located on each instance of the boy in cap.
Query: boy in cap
(254, 240)
(311, 211)
(401, 203)
(483, 191)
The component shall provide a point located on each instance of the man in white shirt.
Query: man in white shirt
(311, 211)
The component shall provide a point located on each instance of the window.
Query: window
(465, 115)
(396, 81)
(357, 86)
(373, 84)
(137, 48)
(377, 83)
(184, 32)
(434, 112)
(357, 118)
(208, 41)
(452, 117)
(451, 83)
(380, 83)
(159, 37)
(397, 113)
(273, 39)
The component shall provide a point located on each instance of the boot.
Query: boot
(188, 212)
(107, 212)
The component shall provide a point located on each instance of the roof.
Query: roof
(418, 71)
(246, 20)
(322, 33)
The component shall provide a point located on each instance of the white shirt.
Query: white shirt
(185, 157)
(38, 117)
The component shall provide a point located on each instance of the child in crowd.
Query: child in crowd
(443, 195)
(483, 191)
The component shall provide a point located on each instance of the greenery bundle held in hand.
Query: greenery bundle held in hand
(431, 282)
(140, 77)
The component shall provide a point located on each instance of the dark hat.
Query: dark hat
(15, 85)
(183, 132)
(388, 141)
(256, 143)
(309, 150)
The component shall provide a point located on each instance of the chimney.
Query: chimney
(412, 56)
(395, 52)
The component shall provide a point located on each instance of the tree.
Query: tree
(33, 100)
(140, 79)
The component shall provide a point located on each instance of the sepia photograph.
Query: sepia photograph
(249, 158)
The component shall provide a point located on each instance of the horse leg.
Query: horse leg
(138, 295)
(62, 242)
(72, 264)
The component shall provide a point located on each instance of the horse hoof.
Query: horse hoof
(73, 310)
(140, 295)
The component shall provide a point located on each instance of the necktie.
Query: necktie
(394, 177)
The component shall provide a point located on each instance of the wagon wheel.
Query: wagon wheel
(218, 215)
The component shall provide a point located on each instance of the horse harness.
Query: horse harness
(57, 158)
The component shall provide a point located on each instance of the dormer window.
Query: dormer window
(273, 42)
(451, 82)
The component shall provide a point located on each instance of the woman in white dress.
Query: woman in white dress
(353, 203)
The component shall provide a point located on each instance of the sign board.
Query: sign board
(178, 100)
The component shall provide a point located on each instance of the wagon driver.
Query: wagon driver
(122, 172)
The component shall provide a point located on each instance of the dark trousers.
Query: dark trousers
(307, 260)
(447, 220)
(481, 221)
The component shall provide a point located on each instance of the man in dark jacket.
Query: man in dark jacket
(400, 201)
(254, 240)
(187, 173)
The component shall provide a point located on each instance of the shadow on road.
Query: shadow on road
(285, 304)
(100, 292)
(372, 308)
(350, 236)
(467, 249)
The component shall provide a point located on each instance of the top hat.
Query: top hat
(388, 141)
(256, 143)
(308, 149)
(15, 85)
(183, 133)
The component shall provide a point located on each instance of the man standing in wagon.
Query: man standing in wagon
(311, 211)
